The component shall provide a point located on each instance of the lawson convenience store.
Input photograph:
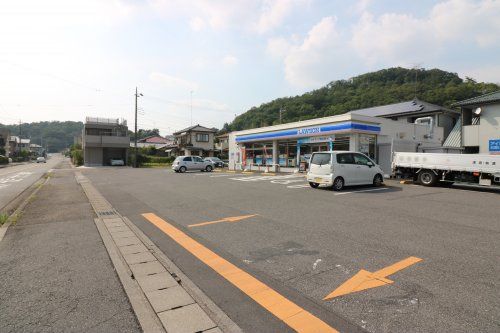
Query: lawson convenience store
(287, 146)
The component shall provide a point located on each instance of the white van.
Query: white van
(337, 169)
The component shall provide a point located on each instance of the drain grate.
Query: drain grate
(108, 212)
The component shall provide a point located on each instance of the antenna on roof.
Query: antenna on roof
(416, 67)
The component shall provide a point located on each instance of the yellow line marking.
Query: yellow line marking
(247, 172)
(293, 315)
(365, 280)
(227, 219)
(269, 174)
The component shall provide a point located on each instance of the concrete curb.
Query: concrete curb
(162, 297)
(219, 316)
(37, 185)
(144, 312)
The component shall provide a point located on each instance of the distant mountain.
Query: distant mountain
(57, 135)
(386, 86)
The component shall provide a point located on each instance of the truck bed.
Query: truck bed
(450, 162)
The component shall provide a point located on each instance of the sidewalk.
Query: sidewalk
(55, 273)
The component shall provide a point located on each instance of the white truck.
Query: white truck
(429, 169)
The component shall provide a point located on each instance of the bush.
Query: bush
(159, 159)
(4, 160)
(77, 157)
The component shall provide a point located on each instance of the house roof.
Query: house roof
(493, 97)
(414, 106)
(153, 139)
(198, 128)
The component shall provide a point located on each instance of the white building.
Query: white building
(480, 125)
(377, 132)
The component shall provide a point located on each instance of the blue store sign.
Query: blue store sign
(311, 131)
(494, 146)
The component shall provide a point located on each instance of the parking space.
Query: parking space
(388, 259)
(289, 182)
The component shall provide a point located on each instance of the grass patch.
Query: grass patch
(15, 217)
(3, 218)
(156, 165)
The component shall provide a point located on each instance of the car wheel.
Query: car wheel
(378, 180)
(208, 168)
(427, 178)
(313, 185)
(182, 169)
(338, 184)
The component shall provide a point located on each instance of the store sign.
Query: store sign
(494, 146)
(347, 126)
(308, 131)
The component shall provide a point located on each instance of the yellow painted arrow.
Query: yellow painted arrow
(365, 280)
(227, 219)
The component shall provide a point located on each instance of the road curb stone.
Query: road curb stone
(156, 296)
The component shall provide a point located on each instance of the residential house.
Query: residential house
(480, 124)
(222, 145)
(195, 140)
(104, 139)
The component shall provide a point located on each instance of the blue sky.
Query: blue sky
(67, 59)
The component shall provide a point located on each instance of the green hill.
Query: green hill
(367, 90)
(57, 135)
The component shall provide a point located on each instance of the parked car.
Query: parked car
(41, 159)
(116, 162)
(343, 168)
(218, 163)
(185, 163)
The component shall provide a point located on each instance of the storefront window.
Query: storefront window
(259, 153)
(367, 144)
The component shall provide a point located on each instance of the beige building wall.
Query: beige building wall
(489, 127)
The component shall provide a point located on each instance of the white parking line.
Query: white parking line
(370, 190)
(217, 176)
(298, 186)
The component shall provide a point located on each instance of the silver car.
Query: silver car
(185, 163)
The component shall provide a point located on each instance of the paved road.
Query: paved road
(55, 273)
(305, 243)
(15, 179)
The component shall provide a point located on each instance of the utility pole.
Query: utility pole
(137, 95)
(20, 130)
(191, 108)
(282, 109)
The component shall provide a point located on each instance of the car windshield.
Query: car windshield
(320, 159)
(215, 159)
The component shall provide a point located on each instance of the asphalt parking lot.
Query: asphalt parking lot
(431, 253)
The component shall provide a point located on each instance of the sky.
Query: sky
(203, 62)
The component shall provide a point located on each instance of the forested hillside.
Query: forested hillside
(372, 89)
(57, 135)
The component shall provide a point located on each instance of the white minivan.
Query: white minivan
(337, 169)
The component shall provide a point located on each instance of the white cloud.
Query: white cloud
(172, 81)
(260, 15)
(404, 38)
(309, 63)
(273, 13)
(278, 47)
(230, 60)
(196, 23)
